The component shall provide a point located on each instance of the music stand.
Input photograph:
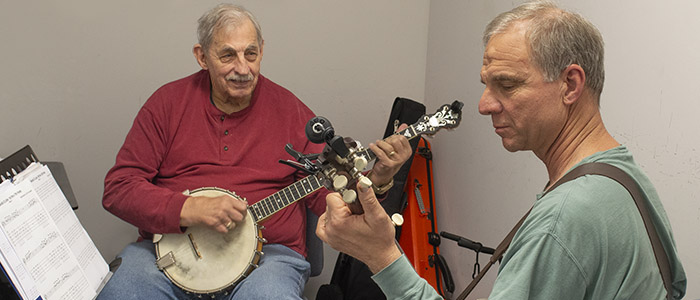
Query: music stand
(10, 167)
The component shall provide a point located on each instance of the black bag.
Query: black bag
(351, 278)
(403, 111)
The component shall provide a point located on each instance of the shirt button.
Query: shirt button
(226, 132)
(225, 148)
(222, 117)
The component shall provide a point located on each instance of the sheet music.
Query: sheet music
(57, 205)
(15, 270)
(48, 238)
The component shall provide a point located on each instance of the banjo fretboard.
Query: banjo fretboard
(266, 207)
(410, 133)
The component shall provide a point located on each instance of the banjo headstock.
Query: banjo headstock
(339, 167)
(447, 116)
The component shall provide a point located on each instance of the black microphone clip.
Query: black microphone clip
(319, 130)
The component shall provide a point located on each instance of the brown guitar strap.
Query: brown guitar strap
(626, 181)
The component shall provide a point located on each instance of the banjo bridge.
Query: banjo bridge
(194, 246)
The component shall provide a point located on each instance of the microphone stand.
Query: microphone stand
(469, 244)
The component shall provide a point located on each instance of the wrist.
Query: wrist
(185, 219)
(381, 189)
(382, 261)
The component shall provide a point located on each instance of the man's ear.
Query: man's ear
(574, 83)
(262, 45)
(198, 52)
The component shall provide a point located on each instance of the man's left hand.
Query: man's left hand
(392, 153)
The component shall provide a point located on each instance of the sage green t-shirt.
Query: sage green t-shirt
(586, 240)
(583, 240)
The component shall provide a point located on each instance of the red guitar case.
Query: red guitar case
(419, 237)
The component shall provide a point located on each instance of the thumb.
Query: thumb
(402, 127)
(368, 200)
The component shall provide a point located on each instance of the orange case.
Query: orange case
(417, 224)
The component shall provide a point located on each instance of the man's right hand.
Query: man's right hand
(219, 213)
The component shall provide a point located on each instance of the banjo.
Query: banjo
(204, 261)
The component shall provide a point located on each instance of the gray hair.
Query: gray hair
(221, 16)
(557, 39)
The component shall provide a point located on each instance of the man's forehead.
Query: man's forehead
(507, 45)
(507, 51)
(243, 35)
(511, 40)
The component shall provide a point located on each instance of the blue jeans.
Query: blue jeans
(282, 274)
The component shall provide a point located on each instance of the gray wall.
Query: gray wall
(74, 74)
(650, 103)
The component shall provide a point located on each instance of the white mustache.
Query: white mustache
(240, 78)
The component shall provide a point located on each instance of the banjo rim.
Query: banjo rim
(253, 260)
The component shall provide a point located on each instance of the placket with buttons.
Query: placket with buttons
(225, 145)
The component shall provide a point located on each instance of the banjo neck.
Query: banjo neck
(267, 207)
(409, 133)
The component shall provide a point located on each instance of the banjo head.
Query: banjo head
(207, 261)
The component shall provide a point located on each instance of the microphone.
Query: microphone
(467, 243)
(319, 130)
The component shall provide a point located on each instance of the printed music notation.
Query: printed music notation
(9, 218)
(40, 248)
(41, 239)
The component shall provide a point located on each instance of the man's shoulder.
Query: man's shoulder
(181, 90)
(582, 205)
(195, 80)
(270, 87)
(597, 190)
(280, 98)
(586, 193)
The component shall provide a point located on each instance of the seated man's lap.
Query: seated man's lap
(138, 277)
(282, 274)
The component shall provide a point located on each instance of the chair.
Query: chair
(314, 245)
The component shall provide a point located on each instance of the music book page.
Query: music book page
(14, 269)
(47, 237)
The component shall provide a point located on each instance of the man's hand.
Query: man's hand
(392, 153)
(368, 237)
(220, 213)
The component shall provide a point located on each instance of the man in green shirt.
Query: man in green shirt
(543, 72)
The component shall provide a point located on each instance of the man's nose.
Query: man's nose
(488, 104)
(240, 65)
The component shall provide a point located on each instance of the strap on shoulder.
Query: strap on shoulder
(630, 185)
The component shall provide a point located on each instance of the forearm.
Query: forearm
(142, 204)
(399, 281)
